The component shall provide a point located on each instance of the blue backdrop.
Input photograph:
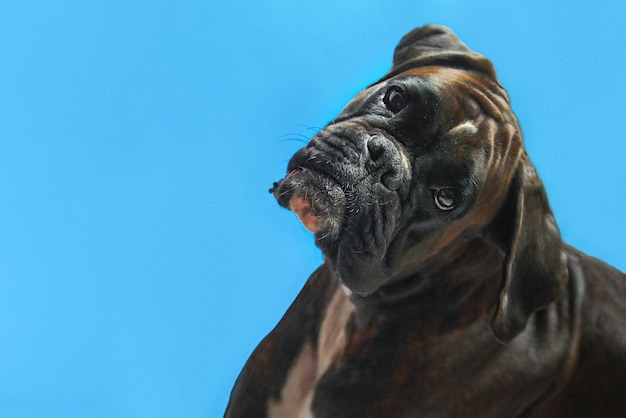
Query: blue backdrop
(141, 257)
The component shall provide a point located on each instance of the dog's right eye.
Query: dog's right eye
(394, 99)
(446, 199)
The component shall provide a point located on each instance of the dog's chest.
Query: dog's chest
(311, 364)
(332, 337)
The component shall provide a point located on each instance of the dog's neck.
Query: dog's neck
(456, 288)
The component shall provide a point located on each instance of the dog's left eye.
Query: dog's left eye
(394, 99)
(446, 199)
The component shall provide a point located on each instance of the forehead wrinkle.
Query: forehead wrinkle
(487, 94)
(464, 129)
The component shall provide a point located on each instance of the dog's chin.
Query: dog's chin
(317, 200)
(343, 223)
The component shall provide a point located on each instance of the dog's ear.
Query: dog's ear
(434, 45)
(534, 271)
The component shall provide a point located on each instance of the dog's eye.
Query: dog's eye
(394, 99)
(446, 199)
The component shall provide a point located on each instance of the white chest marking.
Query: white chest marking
(294, 398)
(298, 391)
(332, 338)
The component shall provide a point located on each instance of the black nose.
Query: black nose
(385, 162)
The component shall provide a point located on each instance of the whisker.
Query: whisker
(293, 137)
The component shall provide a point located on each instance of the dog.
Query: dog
(446, 289)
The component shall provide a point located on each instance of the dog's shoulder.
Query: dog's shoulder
(604, 287)
(311, 302)
(600, 356)
(301, 323)
(601, 290)
(266, 371)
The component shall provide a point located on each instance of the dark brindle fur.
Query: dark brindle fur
(446, 289)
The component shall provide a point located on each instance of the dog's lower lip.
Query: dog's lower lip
(305, 211)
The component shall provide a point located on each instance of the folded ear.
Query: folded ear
(434, 45)
(534, 272)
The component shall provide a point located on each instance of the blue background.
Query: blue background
(141, 257)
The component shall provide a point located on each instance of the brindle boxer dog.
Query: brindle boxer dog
(446, 289)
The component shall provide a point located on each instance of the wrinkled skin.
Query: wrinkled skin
(446, 289)
(374, 181)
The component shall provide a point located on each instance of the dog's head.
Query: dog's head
(419, 164)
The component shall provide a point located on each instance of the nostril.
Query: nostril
(392, 180)
(375, 148)
(385, 163)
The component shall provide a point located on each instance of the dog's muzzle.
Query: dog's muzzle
(317, 200)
